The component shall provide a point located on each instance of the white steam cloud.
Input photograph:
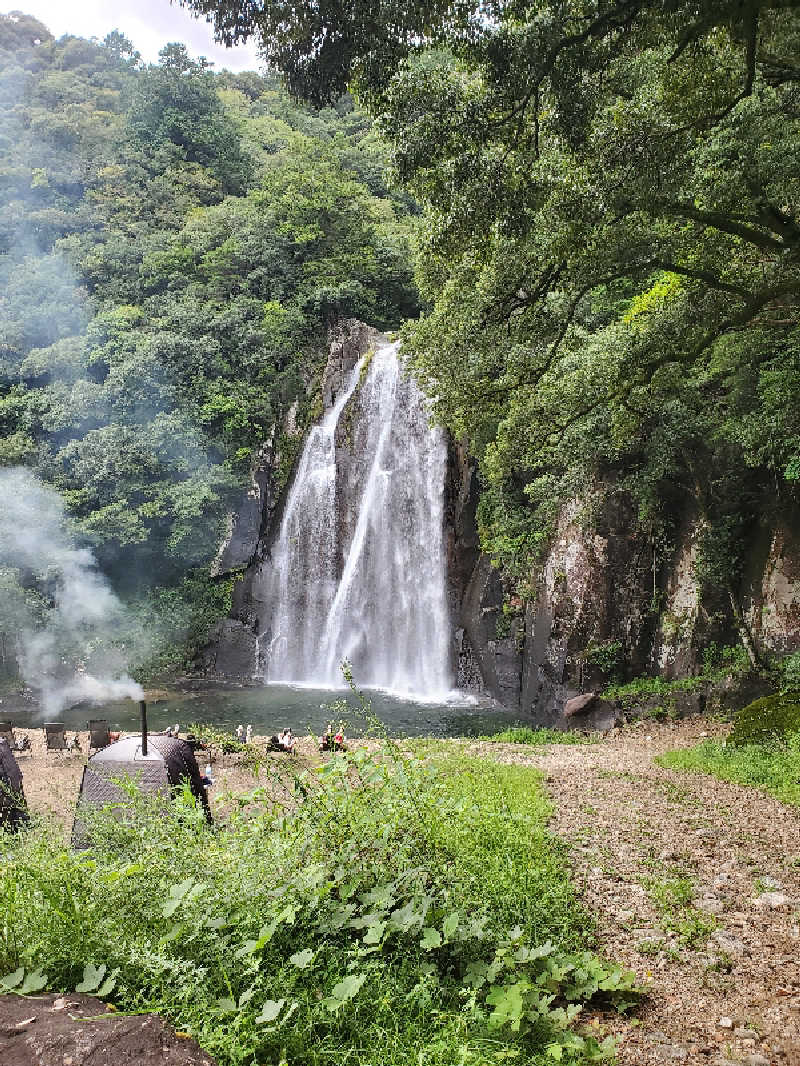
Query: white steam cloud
(70, 653)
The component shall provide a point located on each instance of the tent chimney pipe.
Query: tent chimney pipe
(143, 709)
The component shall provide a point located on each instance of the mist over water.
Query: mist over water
(66, 648)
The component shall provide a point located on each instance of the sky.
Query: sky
(148, 24)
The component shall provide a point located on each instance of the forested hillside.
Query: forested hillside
(610, 244)
(174, 243)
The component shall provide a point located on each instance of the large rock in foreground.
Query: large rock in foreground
(76, 1030)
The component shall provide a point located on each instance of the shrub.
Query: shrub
(767, 720)
(384, 910)
(789, 670)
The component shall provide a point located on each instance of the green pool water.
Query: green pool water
(269, 708)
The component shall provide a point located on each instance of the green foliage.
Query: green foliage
(220, 740)
(789, 672)
(672, 898)
(174, 244)
(606, 656)
(386, 910)
(719, 663)
(169, 624)
(526, 735)
(767, 721)
(774, 767)
(608, 245)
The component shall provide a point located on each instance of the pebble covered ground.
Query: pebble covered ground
(695, 885)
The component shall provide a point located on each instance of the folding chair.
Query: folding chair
(17, 746)
(55, 736)
(99, 734)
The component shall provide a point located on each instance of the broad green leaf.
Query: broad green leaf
(270, 1011)
(108, 986)
(374, 933)
(405, 918)
(344, 991)
(176, 896)
(542, 951)
(450, 925)
(34, 982)
(92, 977)
(302, 958)
(431, 938)
(12, 980)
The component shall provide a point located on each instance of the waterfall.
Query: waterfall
(358, 566)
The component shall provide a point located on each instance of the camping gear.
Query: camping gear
(99, 733)
(155, 762)
(13, 808)
(55, 736)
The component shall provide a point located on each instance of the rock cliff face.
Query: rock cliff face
(602, 591)
(603, 594)
(233, 651)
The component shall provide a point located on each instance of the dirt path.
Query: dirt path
(695, 885)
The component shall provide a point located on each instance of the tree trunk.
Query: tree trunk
(745, 635)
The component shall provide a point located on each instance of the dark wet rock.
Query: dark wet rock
(579, 704)
(349, 340)
(231, 651)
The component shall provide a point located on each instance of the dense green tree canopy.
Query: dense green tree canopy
(174, 244)
(610, 241)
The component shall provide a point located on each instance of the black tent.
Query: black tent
(13, 808)
(164, 765)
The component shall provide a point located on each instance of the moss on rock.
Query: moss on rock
(767, 720)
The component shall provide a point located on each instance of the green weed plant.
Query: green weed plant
(383, 910)
(526, 735)
(773, 767)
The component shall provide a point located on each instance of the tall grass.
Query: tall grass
(385, 911)
(775, 767)
(540, 736)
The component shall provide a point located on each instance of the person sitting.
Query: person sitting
(287, 740)
(276, 742)
(207, 780)
(330, 741)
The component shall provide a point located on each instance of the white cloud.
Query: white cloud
(149, 24)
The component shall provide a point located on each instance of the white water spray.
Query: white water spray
(358, 570)
(77, 629)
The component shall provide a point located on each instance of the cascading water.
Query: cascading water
(358, 567)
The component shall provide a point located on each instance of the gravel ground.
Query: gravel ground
(723, 967)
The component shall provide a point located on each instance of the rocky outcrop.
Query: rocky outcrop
(605, 595)
(254, 510)
(772, 600)
(348, 341)
(604, 598)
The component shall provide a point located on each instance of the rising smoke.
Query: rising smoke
(71, 650)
